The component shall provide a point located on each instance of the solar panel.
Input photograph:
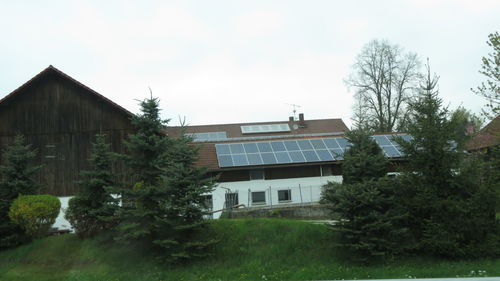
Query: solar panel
(265, 128)
(236, 148)
(331, 143)
(295, 151)
(304, 144)
(291, 145)
(250, 147)
(278, 146)
(210, 136)
(254, 159)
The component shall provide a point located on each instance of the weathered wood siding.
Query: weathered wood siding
(60, 119)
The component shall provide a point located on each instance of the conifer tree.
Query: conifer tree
(451, 209)
(147, 158)
(164, 209)
(364, 160)
(16, 178)
(371, 221)
(93, 209)
(185, 184)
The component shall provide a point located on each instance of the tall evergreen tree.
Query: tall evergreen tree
(185, 185)
(452, 211)
(16, 178)
(93, 209)
(142, 213)
(371, 218)
(164, 209)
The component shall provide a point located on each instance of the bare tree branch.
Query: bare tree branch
(384, 78)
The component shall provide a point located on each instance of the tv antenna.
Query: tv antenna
(295, 106)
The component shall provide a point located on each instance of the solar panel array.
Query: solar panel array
(294, 151)
(211, 136)
(265, 128)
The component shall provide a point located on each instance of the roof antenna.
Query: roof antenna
(295, 106)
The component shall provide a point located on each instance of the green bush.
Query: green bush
(35, 213)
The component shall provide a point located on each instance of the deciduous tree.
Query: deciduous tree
(490, 89)
(384, 78)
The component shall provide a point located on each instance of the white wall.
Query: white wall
(61, 222)
(303, 190)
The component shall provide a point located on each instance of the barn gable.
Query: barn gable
(60, 116)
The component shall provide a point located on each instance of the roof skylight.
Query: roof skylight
(266, 128)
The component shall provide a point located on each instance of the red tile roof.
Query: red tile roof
(234, 130)
(310, 129)
(487, 137)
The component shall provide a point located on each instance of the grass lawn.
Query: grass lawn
(253, 249)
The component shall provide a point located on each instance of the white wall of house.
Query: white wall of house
(302, 190)
(61, 222)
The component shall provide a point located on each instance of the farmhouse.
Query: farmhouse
(60, 116)
(257, 164)
(274, 163)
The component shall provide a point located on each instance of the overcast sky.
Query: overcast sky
(239, 61)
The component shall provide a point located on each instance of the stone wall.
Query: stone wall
(292, 211)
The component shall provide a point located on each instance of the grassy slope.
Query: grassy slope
(256, 249)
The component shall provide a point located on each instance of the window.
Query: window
(209, 207)
(209, 204)
(50, 151)
(259, 197)
(392, 174)
(256, 174)
(326, 170)
(284, 195)
(231, 200)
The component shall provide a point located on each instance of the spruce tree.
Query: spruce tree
(164, 210)
(371, 220)
(364, 160)
(185, 185)
(148, 157)
(16, 178)
(93, 209)
(452, 211)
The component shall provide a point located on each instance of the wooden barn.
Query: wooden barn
(60, 116)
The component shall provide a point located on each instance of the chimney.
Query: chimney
(302, 123)
(290, 119)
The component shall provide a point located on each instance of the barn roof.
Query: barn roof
(487, 137)
(52, 70)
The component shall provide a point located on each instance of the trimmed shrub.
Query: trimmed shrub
(35, 213)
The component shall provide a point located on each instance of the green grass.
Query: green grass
(253, 249)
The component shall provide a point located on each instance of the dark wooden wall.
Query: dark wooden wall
(60, 119)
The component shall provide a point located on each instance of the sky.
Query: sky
(212, 62)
